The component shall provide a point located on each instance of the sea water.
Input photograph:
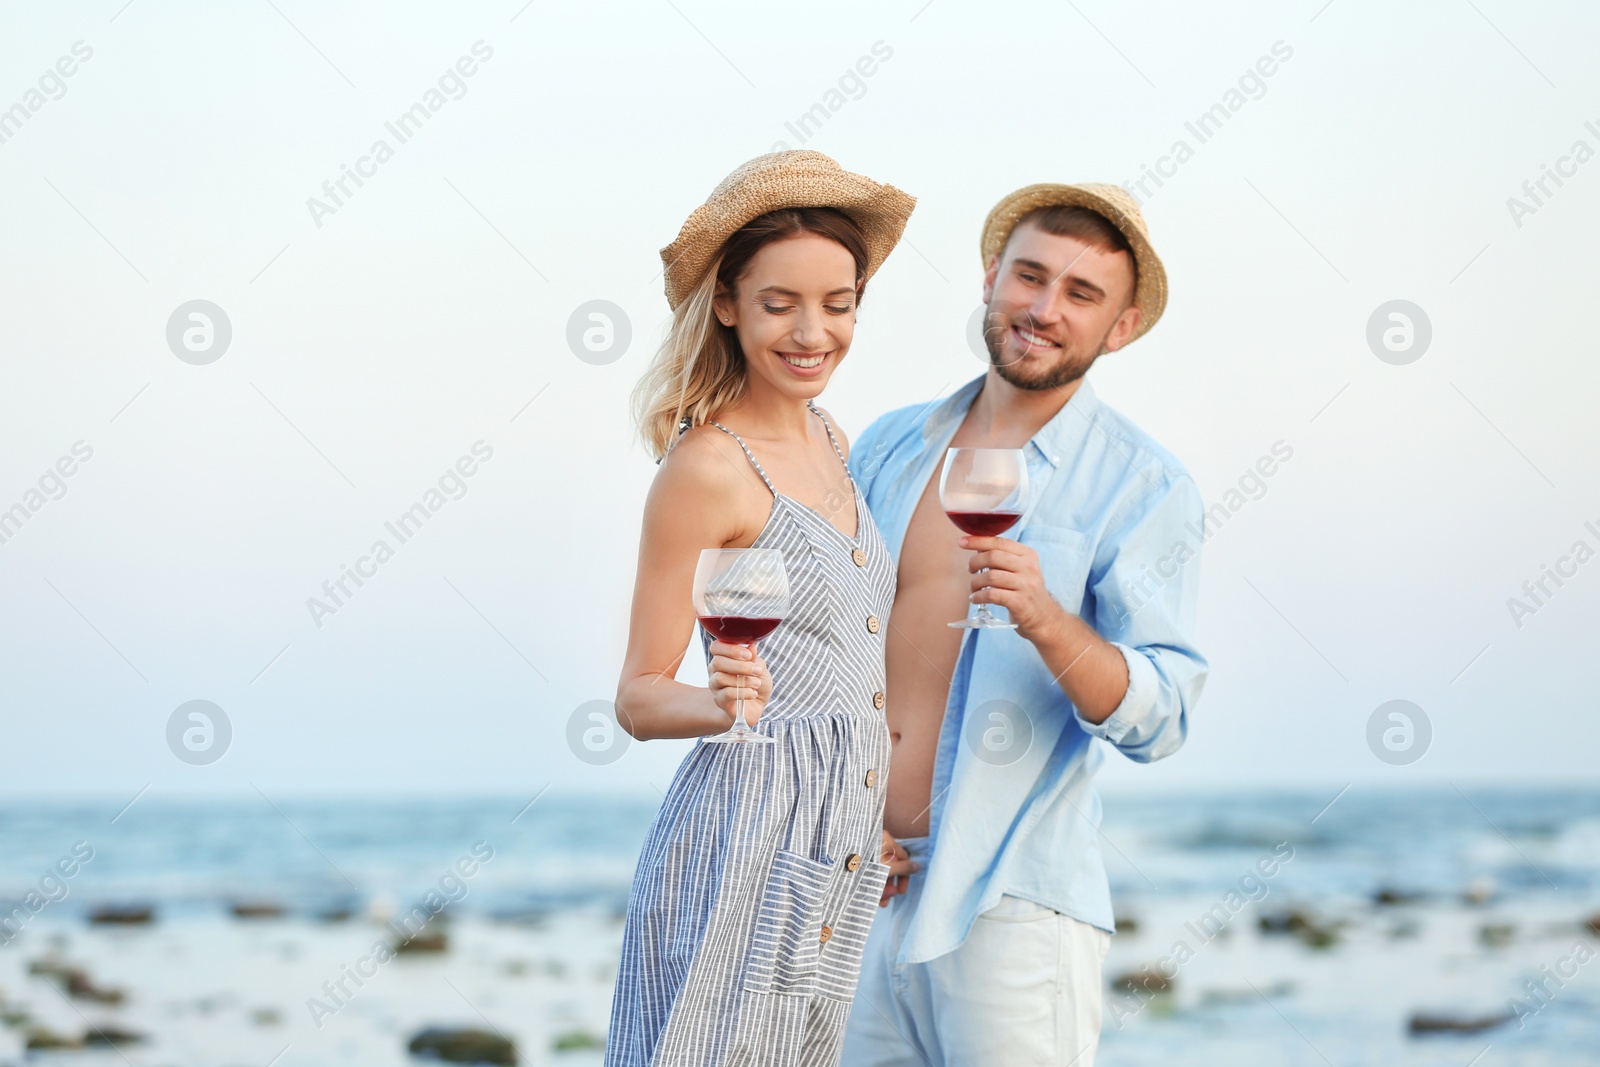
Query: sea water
(1304, 927)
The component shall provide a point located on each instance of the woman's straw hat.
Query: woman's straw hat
(797, 178)
(1112, 201)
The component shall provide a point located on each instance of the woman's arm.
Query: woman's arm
(694, 503)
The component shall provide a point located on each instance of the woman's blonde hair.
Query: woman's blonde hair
(700, 370)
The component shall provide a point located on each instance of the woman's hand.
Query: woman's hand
(900, 864)
(737, 670)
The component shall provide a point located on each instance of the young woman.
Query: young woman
(759, 878)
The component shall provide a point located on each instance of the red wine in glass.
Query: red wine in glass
(738, 629)
(984, 491)
(984, 523)
(740, 595)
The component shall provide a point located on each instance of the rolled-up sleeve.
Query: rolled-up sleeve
(1143, 587)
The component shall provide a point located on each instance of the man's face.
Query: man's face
(1055, 304)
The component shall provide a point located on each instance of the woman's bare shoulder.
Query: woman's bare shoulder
(708, 469)
(702, 462)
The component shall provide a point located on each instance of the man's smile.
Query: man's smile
(1029, 339)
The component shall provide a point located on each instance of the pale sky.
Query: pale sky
(374, 345)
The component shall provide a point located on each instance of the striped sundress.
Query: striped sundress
(759, 878)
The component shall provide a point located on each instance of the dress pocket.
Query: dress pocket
(839, 968)
(786, 939)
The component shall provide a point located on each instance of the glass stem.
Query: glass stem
(739, 725)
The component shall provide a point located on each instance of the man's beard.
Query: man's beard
(1068, 369)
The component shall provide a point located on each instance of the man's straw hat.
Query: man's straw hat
(1112, 201)
(797, 178)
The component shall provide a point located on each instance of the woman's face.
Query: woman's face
(794, 312)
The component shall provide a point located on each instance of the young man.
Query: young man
(990, 951)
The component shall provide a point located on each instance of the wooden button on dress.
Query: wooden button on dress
(877, 700)
(827, 932)
(860, 557)
(872, 624)
(853, 862)
(872, 778)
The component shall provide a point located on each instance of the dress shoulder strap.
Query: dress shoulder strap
(835, 441)
(750, 455)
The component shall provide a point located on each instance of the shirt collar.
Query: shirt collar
(1057, 440)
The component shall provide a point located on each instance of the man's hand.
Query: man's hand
(1089, 669)
(1015, 582)
(900, 868)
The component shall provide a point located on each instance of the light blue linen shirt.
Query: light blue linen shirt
(1117, 523)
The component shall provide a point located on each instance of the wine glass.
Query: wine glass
(740, 596)
(984, 491)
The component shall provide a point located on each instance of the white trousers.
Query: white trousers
(1023, 989)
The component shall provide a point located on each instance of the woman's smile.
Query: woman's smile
(804, 364)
